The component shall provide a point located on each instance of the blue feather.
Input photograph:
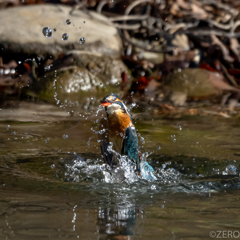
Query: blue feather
(130, 145)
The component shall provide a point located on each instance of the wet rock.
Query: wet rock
(190, 83)
(23, 33)
(71, 88)
(83, 83)
(106, 68)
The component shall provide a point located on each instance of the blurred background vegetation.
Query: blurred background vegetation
(179, 56)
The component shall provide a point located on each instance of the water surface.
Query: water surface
(47, 191)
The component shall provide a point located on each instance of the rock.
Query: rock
(189, 83)
(96, 66)
(90, 76)
(21, 31)
(107, 69)
(71, 88)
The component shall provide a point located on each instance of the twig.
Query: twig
(128, 27)
(78, 6)
(134, 4)
(101, 5)
(127, 18)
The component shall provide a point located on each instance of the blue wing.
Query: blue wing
(130, 146)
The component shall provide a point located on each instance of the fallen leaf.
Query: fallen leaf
(201, 14)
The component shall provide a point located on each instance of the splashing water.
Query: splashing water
(124, 172)
(230, 170)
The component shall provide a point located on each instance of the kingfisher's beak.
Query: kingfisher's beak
(105, 104)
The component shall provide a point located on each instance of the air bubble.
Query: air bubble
(65, 136)
(68, 21)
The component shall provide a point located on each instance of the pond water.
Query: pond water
(52, 182)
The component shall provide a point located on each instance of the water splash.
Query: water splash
(230, 170)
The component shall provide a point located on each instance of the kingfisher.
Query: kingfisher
(120, 132)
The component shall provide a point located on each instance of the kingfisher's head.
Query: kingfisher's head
(113, 103)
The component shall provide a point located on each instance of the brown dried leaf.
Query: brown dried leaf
(174, 9)
(201, 13)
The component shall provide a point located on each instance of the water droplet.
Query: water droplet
(82, 40)
(153, 187)
(68, 21)
(159, 148)
(230, 170)
(65, 37)
(65, 136)
(48, 67)
(132, 105)
(54, 29)
(53, 166)
(174, 140)
(47, 32)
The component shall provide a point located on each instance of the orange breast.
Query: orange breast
(119, 121)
